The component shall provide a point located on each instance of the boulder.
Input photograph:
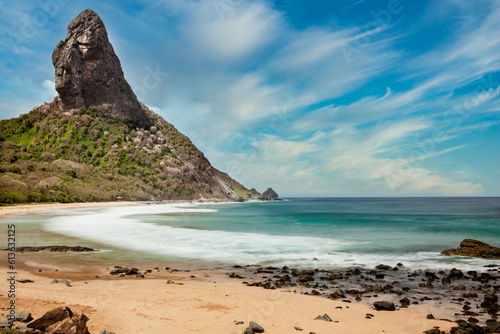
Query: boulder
(324, 317)
(384, 306)
(126, 271)
(50, 318)
(474, 248)
(433, 331)
(465, 327)
(61, 320)
(24, 317)
(255, 327)
(383, 267)
(493, 327)
(405, 302)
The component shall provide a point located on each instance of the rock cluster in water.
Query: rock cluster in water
(474, 248)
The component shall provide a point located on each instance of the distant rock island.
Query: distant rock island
(474, 248)
(97, 142)
(270, 193)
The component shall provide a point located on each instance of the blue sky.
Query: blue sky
(314, 98)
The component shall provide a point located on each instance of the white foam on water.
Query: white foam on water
(118, 227)
(417, 260)
(121, 227)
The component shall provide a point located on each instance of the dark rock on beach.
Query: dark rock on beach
(253, 327)
(126, 271)
(25, 281)
(54, 249)
(24, 317)
(61, 320)
(433, 331)
(383, 267)
(405, 302)
(384, 306)
(474, 248)
(324, 317)
(62, 281)
(471, 295)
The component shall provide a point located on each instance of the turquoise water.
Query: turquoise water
(321, 233)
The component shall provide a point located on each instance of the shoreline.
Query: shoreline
(207, 303)
(36, 207)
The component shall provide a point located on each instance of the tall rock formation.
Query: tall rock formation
(89, 74)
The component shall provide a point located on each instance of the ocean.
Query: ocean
(323, 233)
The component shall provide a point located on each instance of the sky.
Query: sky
(312, 98)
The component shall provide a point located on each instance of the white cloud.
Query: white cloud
(235, 34)
(49, 85)
(470, 54)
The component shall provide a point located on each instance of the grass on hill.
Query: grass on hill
(82, 156)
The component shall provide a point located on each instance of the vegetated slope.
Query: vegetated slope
(82, 155)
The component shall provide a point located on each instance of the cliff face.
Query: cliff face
(89, 74)
(97, 142)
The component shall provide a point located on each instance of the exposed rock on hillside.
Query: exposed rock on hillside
(89, 74)
(474, 248)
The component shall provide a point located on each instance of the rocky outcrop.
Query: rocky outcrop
(270, 193)
(61, 320)
(474, 248)
(54, 249)
(89, 74)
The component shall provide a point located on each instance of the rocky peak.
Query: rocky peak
(270, 193)
(89, 74)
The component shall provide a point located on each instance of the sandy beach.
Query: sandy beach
(35, 207)
(201, 305)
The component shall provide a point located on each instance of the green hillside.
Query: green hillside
(81, 155)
